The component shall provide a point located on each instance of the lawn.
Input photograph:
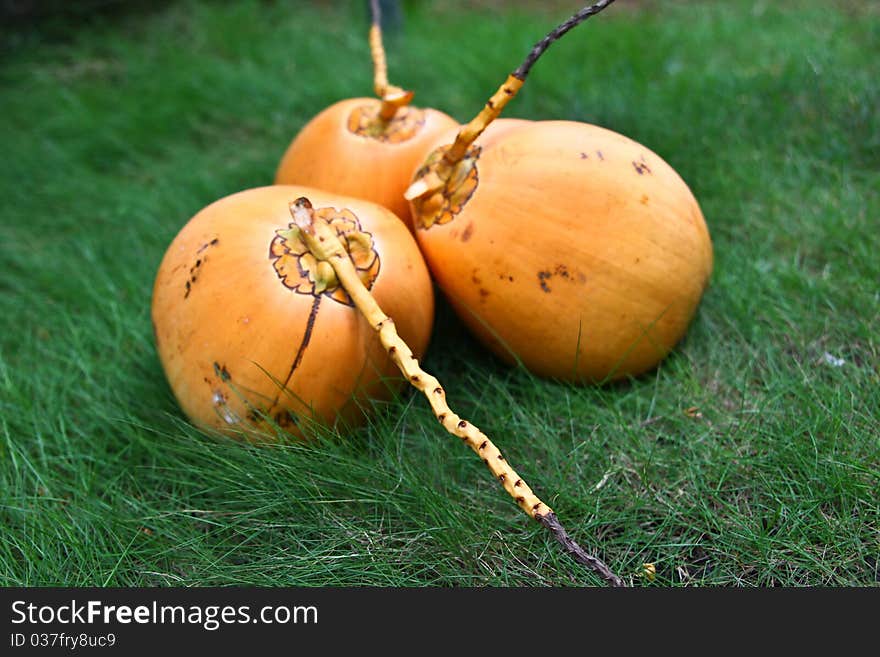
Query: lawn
(750, 457)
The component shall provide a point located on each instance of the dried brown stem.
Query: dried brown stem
(542, 45)
(468, 134)
(325, 245)
(551, 522)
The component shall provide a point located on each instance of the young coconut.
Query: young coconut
(250, 327)
(366, 147)
(562, 245)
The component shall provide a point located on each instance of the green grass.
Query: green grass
(116, 132)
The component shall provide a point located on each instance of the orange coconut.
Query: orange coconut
(567, 247)
(249, 326)
(564, 246)
(348, 149)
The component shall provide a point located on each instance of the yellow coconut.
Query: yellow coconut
(347, 149)
(564, 246)
(568, 247)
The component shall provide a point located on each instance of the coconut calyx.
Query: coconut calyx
(392, 119)
(441, 190)
(446, 181)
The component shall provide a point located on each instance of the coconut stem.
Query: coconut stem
(392, 97)
(380, 66)
(324, 244)
(469, 133)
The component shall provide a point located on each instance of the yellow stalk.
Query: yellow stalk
(380, 67)
(469, 133)
(324, 244)
(392, 97)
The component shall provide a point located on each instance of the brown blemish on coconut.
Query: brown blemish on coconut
(195, 270)
(641, 166)
(561, 272)
(543, 277)
(221, 372)
(213, 242)
(285, 419)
